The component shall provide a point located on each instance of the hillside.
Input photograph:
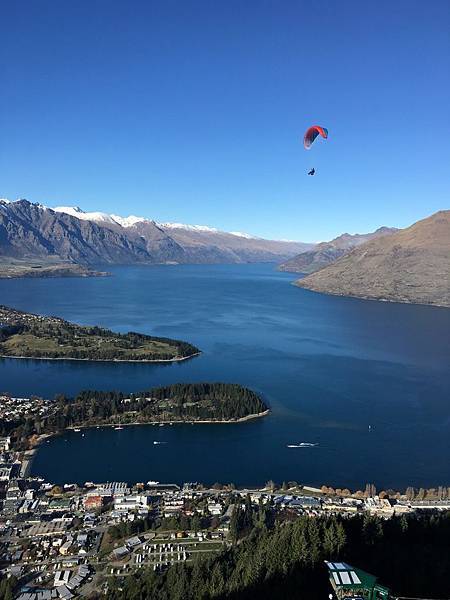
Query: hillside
(411, 265)
(26, 335)
(326, 253)
(35, 232)
(11, 268)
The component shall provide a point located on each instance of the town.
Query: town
(63, 540)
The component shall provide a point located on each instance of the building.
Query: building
(64, 548)
(62, 577)
(348, 582)
(93, 501)
(120, 552)
(215, 508)
(127, 503)
(5, 444)
(5, 472)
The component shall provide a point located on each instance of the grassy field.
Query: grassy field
(26, 344)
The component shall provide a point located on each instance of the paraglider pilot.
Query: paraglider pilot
(312, 172)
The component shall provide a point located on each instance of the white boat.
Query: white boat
(161, 424)
(151, 482)
(77, 430)
(159, 442)
(302, 445)
(118, 428)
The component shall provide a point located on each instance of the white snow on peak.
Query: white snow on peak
(99, 217)
(75, 211)
(241, 234)
(5, 201)
(188, 227)
(128, 221)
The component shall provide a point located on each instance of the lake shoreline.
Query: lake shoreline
(176, 422)
(404, 301)
(105, 360)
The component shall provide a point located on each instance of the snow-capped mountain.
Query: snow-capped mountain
(75, 211)
(130, 221)
(203, 228)
(69, 233)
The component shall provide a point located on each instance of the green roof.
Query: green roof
(344, 576)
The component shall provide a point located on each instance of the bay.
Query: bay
(329, 368)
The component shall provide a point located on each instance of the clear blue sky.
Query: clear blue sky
(194, 111)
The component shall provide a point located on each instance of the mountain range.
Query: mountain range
(325, 253)
(68, 234)
(409, 265)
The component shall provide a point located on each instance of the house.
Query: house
(215, 508)
(64, 549)
(120, 552)
(62, 577)
(92, 501)
(133, 542)
(82, 539)
(65, 593)
(5, 444)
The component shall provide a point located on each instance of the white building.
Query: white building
(130, 503)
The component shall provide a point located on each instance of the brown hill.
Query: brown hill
(411, 265)
(325, 253)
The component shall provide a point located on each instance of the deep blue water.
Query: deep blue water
(329, 367)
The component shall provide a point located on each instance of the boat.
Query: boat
(151, 482)
(161, 424)
(159, 442)
(77, 430)
(302, 445)
(118, 428)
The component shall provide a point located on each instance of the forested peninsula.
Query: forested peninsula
(180, 402)
(26, 335)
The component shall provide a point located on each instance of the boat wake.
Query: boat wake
(302, 445)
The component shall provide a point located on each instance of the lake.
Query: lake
(329, 368)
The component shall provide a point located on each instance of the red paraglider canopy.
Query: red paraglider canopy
(312, 133)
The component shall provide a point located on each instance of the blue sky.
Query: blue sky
(194, 111)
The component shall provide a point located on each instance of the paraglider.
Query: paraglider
(311, 134)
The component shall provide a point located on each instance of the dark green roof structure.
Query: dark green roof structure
(350, 583)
